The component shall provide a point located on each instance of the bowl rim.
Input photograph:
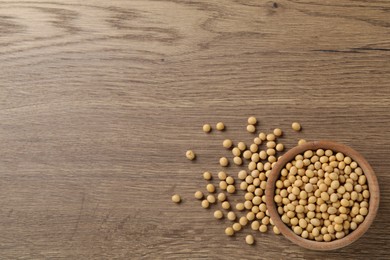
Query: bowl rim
(336, 147)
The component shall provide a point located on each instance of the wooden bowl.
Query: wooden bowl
(338, 243)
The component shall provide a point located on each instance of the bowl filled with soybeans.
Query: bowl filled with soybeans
(322, 195)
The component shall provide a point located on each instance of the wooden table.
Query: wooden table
(99, 100)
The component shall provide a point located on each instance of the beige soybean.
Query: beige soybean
(237, 227)
(253, 148)
(263, 228)
(252, 120)
(190, 155)
(247, 154)
(206, 128)
(240, 206)
(271, 137)
(257, 140)
(248, 204)
(210, 188)
(242, 174)
(227, 143)
(223, 161)
(301, 141)
(252, 166)
(237, 160)
(255, 158)
(243, 185)
(229, 180)
(211, 199)
(198, 195)
(218, 214)
(222, 175)
(176, 198)
(271, 144)
(229, 231)
(251, 128)
(207, 175)
(231, 216)
(250, 216)
(231, 189)
(260, 215)
(221, 196)
(220, 126)
(236, 151)
(263, 155)
(278, 132)
(296, 126)
(276, 230)
(243, 221)
(265, 220)
(255, 225)
(226, 205)
(270, 151)
(249, 240)
(262, 136)
(223, 185)
(205, 204)
(241, 146)
(279, 147)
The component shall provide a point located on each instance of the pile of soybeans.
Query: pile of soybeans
(320, 195)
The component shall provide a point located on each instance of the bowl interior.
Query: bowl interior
(372, 186)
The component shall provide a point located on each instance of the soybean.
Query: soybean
(218, 214)
(190, 155)
(176, 198)
(251, 128)
(227, 143)
(206, 128)
(223, 161)
(220, 126)
(296, 126)
(249, 240)
(252, 120)
(198, 195)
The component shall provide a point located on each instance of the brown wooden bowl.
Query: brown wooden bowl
(338, 243)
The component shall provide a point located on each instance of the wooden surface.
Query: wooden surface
(99, 100)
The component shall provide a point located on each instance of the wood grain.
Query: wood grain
(99, 100)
